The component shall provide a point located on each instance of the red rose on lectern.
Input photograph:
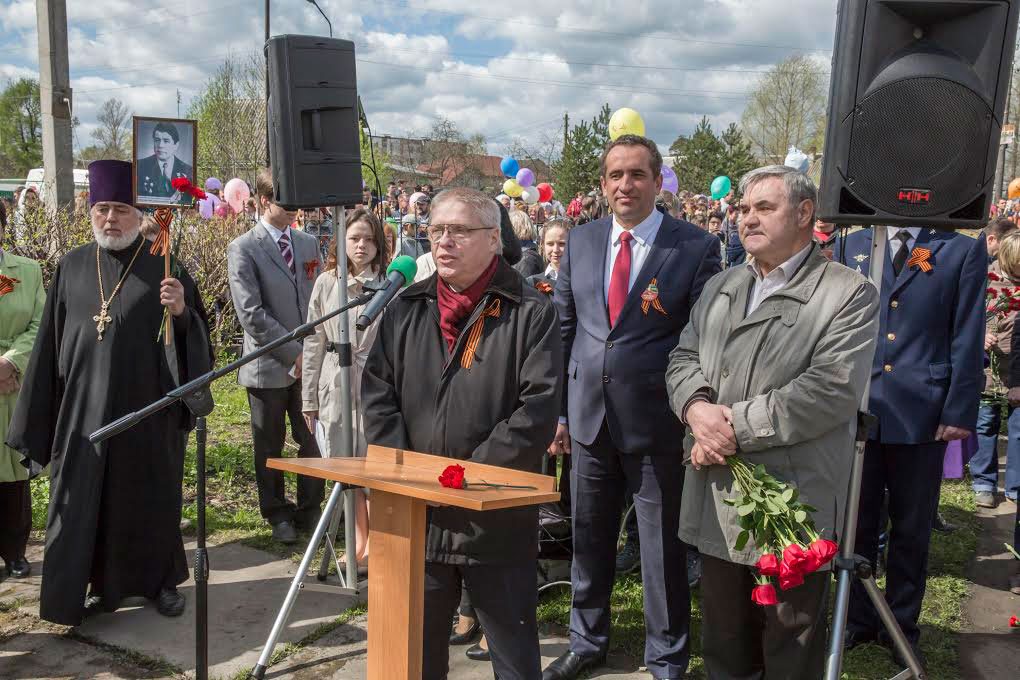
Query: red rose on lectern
(452, 477)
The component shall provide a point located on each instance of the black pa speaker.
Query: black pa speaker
(915, 111)
(314, 147)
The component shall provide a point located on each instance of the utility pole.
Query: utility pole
(55, 95)
(178, 102)
(566, 127)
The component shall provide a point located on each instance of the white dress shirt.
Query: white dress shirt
(644, 235)
(775, 280)
(551, 272)
(894, 243)
(276, 233)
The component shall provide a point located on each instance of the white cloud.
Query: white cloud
(500, 74)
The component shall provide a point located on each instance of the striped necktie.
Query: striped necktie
(285, 250)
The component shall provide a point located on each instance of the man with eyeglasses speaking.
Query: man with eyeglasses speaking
(467, 364)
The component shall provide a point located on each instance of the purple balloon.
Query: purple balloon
(669, 181)
(525, 177)
(213, 184)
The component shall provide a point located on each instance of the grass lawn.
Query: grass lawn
(233, 515)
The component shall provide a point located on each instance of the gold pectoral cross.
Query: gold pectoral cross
(101, 320)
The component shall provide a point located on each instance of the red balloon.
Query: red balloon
(545, 192)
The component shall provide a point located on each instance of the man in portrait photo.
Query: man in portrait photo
(155, 172)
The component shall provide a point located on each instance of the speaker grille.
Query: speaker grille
(919, 133)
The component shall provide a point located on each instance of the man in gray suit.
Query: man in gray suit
(272, 269)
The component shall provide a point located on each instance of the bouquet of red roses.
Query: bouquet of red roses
(781, 526)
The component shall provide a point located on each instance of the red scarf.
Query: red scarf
(455, 308)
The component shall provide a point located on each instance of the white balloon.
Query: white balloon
(530, 195)
(797, 160)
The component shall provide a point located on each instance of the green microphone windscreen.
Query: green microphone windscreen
(406, 266)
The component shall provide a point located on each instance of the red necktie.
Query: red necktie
(620, 280)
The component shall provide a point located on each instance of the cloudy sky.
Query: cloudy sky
(504, 70)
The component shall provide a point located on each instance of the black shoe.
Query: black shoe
(898, 658)
(468, 636)
(942, 526)
(19, 568)
(93, 605)
(170, 602)
(306, 524)
(858, 638)
(629, 557)
(284, 532)
(570, 665)
(477, 653)
(693, 568)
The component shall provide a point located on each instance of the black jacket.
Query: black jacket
(502, 410)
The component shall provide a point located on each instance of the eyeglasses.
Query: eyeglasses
(460, 233)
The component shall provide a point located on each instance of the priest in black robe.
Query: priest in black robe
(113, 528)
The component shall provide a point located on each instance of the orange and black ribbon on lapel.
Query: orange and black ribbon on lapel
(920, 257)
(650, 298)
(7, 284)
(475, 337)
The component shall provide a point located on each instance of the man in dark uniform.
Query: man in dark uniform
(925, 388)
(155, 173)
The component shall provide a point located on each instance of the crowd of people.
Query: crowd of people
(638, 337)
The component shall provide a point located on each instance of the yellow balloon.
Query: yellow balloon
(1014, 189)
(512, 189)
(626, 122)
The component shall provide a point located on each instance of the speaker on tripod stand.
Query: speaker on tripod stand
(916, 107)
(916, 102)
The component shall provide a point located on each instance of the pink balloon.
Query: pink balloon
(236, 193)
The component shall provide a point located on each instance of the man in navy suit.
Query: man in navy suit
(926, 384)
(625, 289)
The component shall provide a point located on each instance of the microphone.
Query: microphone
(399, 274)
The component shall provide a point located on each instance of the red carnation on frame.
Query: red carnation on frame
(992, 276)
(1014, 622)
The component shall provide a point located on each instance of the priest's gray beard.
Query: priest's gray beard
(115, 242)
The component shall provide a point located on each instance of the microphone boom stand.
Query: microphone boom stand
(195, 396)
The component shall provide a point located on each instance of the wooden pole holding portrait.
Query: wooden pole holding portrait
(164, 153)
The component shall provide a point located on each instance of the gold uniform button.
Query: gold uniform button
(888, 368)
(891, 336)
(894, 304)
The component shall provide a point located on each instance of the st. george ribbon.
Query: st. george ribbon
(400, 273)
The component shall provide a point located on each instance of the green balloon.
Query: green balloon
(720, 187)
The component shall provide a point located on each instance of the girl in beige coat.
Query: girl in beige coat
(320, 376)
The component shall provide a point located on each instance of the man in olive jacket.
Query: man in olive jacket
(468, 364)
(772, 365)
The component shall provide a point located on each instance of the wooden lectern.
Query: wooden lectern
(402, 483)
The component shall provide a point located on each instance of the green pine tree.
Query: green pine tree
(578, 166)
(698, 159)
(738, 157)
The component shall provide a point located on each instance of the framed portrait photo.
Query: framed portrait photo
(163, 150)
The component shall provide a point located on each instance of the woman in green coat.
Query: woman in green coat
(21, 304)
